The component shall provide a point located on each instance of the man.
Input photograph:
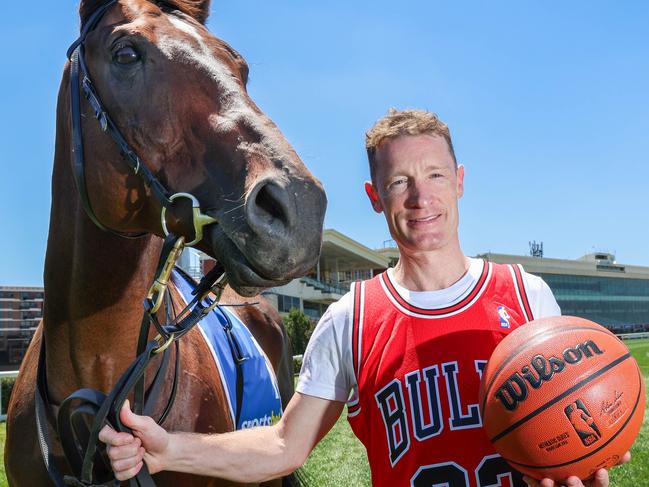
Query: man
(404, 350)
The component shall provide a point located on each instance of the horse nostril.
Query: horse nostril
(266, 203)
(270, 207)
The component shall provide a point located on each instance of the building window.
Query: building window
(616, 303)
(285, 303)
(313, 310)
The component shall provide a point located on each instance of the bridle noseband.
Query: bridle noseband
(80, 80)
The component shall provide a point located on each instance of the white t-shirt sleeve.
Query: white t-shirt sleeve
(540, 296)
(327, 367)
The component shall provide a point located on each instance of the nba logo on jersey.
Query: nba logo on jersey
(504, 317)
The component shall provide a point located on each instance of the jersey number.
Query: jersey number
(490, 473)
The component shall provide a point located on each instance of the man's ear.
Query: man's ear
(460, 180)
(373, 195)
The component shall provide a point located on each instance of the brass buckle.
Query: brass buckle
(159, 286)
(217, 289)
(162, 347)
(199, 219)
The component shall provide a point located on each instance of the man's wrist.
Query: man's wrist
(184, 452)
(171, 457)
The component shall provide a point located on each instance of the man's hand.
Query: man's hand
(127, 451)
(247, 456)
(600, 479)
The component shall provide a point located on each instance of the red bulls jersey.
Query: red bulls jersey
(418, 373)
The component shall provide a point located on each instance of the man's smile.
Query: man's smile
(424, 220)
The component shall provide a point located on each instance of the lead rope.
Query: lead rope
(193, 313)
(106, 409)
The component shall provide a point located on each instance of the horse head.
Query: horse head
(178, 94)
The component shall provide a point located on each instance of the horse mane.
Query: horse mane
(198, 9)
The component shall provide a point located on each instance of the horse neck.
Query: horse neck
(95, 283)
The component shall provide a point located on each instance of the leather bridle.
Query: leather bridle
(78, 438)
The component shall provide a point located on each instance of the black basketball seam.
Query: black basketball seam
(556, 399)
(622, 427)
(533, 341)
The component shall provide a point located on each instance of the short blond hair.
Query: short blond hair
(405, 122)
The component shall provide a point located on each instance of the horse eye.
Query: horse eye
(126, 55)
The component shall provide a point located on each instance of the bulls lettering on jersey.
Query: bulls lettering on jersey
(418, 372)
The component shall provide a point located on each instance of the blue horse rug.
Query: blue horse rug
(261, 403)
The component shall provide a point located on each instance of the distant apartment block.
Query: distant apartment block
(21, 309)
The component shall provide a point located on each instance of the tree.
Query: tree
(299, 328)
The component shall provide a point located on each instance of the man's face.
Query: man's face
(417, 187)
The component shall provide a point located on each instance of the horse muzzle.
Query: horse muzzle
(280, 239)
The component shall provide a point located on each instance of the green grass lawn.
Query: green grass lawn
(340, 459)
(636, 473)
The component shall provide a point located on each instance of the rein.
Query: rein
(83, 413)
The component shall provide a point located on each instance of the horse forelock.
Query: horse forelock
(197, 9)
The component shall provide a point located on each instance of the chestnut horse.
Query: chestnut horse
(178, 96)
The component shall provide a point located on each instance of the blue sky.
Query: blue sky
(548, 105)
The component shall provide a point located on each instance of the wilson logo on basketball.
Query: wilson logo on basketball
(542, 369)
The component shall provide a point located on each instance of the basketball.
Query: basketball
(562, 396)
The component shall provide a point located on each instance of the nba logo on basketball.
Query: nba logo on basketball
(583, 422)
(504, 317)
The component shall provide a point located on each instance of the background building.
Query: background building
(342, 261)
(21, 309)
(191, 262)
(594, 287)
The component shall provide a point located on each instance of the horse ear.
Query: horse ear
(199, 9)
(87, 7)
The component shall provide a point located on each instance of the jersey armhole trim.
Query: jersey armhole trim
(358, 292)
(353, 410)
(521, 293)
(357, 326)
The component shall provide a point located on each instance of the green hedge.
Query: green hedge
(299, 328)
(7, 385)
